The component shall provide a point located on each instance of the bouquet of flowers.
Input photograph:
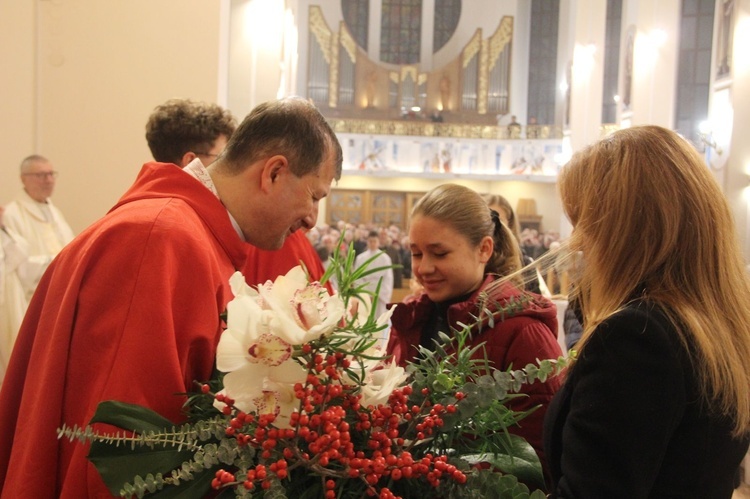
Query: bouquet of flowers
(306, 404)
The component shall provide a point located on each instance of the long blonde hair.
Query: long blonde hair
(652, 222)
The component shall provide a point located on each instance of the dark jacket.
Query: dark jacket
(518, 340)
(629, 421)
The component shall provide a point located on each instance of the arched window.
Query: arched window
(356, 16)
(401, 31)
(447, 13)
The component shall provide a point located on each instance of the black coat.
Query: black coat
(629, 421)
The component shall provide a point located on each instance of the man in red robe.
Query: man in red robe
(130, 310)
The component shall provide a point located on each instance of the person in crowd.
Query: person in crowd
(383, 277)
(532, 129)
(531, 245)
(386, 246)
(181, 130)
(657, 403)
(13, 257)
(39, 222)
(572, 327)
(502, 206)
(406, 257)
(460, 253)
(360, 240)
(313, 235)
(514, 128)
(130, 310)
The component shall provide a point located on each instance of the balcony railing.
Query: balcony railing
(454, 130)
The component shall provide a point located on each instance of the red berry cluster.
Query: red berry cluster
(321, 439)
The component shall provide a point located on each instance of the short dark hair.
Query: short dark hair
(292, 127)
(180, 126)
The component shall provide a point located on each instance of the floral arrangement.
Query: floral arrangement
(306, 404)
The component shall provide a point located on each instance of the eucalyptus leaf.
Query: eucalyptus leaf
(197, 488)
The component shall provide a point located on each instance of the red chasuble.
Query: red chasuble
(128, 311)
(265, 265)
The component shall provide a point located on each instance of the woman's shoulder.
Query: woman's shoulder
(638, 318)
(639, 331)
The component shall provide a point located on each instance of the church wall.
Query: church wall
(100, 68)
(17, 96)
(736, 182)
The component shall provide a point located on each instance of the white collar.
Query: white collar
(196, 170)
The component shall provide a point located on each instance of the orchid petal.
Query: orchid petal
(231, 351)
(239, 286)
(269, 350)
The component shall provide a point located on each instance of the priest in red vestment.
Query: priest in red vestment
(130, 310)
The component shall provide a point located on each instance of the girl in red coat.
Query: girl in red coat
(459, 250)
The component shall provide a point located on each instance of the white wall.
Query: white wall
(737, 175)
(83, 77)
(17, 91)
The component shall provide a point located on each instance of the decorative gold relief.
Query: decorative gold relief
(393, 75)
(471, 49)
(409, 71)
(429, 129)
(422, 79)
(321, 31)
(347, 41)
(483, 82)
(333, 73)
(500, 39)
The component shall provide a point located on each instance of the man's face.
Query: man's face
(209, 156)
(373, 243)
(293, 204)
(39, 180)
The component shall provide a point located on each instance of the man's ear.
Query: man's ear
(273, 168)
(187, 158)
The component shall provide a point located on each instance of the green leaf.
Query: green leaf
(120, 464)
(129, 417)
(524, 463)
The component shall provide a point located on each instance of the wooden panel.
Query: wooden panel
(388, 208)
(347, 205)
(379, 208)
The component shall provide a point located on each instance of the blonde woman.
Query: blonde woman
(658, 403)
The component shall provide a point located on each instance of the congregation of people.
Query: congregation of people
(656, 404)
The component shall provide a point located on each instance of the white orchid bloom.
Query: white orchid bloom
(302, 311)
(263, 389)
(248, 337)
(380, 382)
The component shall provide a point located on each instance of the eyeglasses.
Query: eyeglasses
(210, 155)
(42, 175)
